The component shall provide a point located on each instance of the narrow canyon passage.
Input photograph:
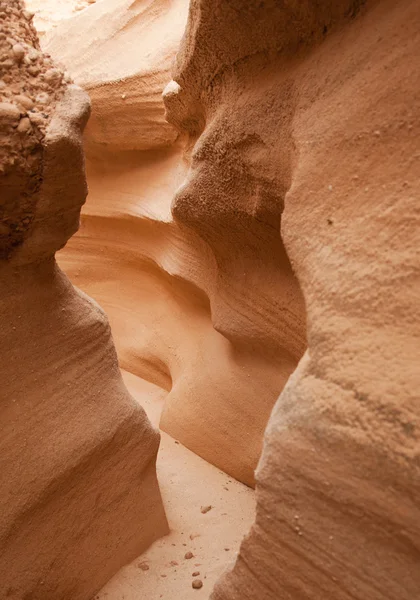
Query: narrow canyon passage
(189, 485)
(163, 333)
(209, 290)
(154, 277)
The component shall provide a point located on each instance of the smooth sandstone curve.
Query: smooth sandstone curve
(163, 284)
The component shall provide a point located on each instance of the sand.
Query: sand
(188, 484)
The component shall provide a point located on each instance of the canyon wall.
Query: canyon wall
(274, 212)
(78, 491)
(321, 100)
(212, 315)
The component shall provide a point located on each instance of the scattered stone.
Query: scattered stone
(24, 125)
(227, 549)
(205, 509)
(174, 563)
(28, 15)
(9, 112)
(188, 555)
(53, 76)
(42, 98)
(34, 70)
(143, 566)
(197, 584)
(24, 101)
(18, 52)
(34, 54)
(196, 573)
(37, 119)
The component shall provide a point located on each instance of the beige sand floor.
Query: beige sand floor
(187, 483)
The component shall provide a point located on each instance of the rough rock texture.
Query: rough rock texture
(78, 490)
(333, 91)
(124, 67)
(182, 303)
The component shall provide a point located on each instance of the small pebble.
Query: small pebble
(18, 52)
(33, 70)
(205, 509)
(9, 112)
(28, 15)
(196, 573)
(24, 101)
(24, 125)
(53, 76)
(188, 555)
(197, 584)
(33, 54)
(143, 566)
(42, 98)
(36, 118)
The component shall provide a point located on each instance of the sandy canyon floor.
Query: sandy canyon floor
(189, 485)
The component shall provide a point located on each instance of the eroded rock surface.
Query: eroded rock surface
(336, 96)
(78, 493)
(183, 314)
(124, 67)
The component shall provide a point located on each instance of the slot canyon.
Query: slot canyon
(209, 300)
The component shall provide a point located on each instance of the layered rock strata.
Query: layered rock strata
(213, 315)
(333, 92)
(78, 493)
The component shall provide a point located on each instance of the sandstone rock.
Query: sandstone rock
(130, 55)
(342, 443)
(140, 251)
(314, 84)
(78, 490)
